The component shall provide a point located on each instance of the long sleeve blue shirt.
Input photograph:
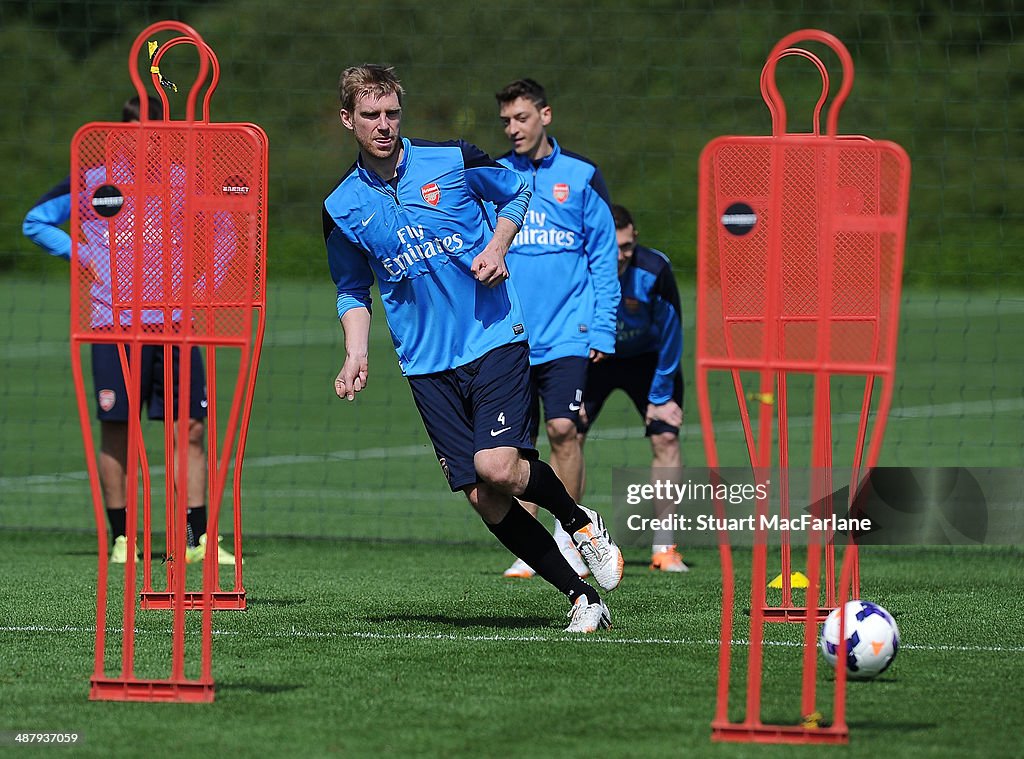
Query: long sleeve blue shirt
(650, 319)
(42, 225)
(418, 239)
(564, 261)
(44, 220)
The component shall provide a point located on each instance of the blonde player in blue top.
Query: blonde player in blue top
(410, 215)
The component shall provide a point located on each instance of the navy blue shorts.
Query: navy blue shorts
(112, 397)
(559, 385)
(632, 374)
(480, 405)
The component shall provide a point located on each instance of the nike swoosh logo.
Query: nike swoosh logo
(369, 218)
(495, 433)
(574, 407)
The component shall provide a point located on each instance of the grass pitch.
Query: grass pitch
(368, 649)
(315, 465)
(355, 645)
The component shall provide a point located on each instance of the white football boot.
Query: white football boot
(585, 617)
(599, 551)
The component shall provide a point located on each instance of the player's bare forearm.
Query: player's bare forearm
(489, 265)
(352, 377)
(505, 231)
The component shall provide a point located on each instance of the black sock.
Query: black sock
(195, 524)
(527, 539)
(547, 491)
(116, 517)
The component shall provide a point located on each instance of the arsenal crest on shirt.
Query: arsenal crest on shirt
(431, 193)
(561, 192)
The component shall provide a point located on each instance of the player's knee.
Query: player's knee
(499, 468)
(665, 447)
(196, 432)
(562, 433)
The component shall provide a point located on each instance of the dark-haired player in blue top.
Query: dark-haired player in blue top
(410, 214)
(648, 352)
(563, 262)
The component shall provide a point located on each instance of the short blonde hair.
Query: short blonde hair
(368, 79)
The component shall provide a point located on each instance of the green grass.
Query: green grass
(316, 465)
(355, 644)
(351, 648)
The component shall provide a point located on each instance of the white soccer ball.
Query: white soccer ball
(872, 639)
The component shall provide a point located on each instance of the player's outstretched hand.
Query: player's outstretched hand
(352, 377)
(489, 267)
(669, 412)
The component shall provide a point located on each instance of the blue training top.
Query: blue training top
(43, 222)
(564, 260)
(650, 319)
(419, 239)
